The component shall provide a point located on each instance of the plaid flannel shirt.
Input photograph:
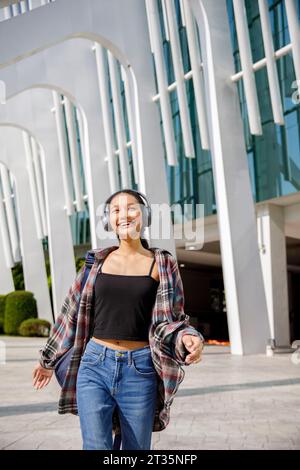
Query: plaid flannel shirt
(169, 323)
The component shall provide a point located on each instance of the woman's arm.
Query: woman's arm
(63, 331)
(180, 317)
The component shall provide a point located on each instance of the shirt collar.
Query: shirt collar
(101, 253)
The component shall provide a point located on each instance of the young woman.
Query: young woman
(116, 369)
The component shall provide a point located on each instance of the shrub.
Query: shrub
(35, 327)
(18, 276)
(79, 262)
(19, 306)
(2, 310)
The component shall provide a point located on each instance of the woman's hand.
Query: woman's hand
(41, 376)
(195, 346)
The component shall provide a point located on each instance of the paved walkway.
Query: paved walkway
(224, 402)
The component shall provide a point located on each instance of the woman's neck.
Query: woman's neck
(131, 247)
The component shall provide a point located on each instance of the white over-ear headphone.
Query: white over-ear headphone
(146, 210)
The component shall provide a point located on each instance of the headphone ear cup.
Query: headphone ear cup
(149, 215)
(145, 216)
(105, 221)
(108, 224)
(147, 210)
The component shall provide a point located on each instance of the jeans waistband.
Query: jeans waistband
(119, 354)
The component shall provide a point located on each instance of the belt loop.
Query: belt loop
(104, 352)
(129, 357)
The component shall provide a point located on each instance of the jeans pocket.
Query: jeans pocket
(91, 357)
(143, 365)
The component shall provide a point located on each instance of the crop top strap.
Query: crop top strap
(152, 266)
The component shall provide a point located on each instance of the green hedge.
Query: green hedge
(79, 262)
(18, 276)
(2, 310)
(19, 306)
(22, 305)
(35, 327)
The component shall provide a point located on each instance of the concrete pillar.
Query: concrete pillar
(271, 237)
(248, 324)
(6, 278)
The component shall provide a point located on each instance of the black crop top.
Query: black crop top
(123, 305)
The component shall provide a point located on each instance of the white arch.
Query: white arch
(39, 121)
(12, 154)
(70, 69)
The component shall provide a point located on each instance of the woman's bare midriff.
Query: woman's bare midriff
(121, 343)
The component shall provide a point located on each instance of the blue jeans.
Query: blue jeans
(109, 378)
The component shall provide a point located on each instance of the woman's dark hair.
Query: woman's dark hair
(144, 242)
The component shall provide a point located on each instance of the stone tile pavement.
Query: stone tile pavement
(224, 402)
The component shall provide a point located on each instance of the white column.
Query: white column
(247, 66)
(271, 62)
(248, 324)
(162, 82)
(294, 30)
(6, 278)
(39, 183)
(65, 167)
(74, 154)
(106, 108)
(6, 259)
(196, 68)
(11, 220)
(119, 120)
(131, 124)
(180, 82)
(32, 184)
(272, 244)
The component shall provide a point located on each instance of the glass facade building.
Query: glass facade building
(273, 157)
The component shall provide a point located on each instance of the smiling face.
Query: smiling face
(125, 215)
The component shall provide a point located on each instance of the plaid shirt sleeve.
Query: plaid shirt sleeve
(178, 348)
(62, 334)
